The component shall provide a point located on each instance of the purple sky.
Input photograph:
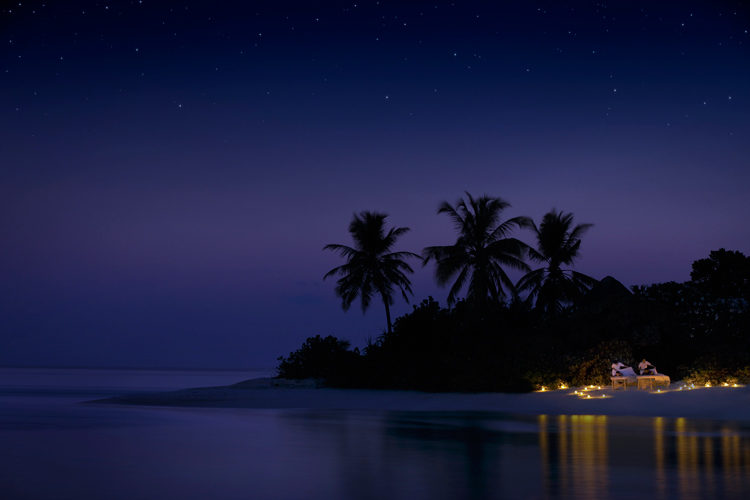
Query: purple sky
(170, 171)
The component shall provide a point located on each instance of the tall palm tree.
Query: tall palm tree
(558, 245)
(371, 267)
(481, 250)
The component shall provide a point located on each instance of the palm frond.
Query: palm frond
(458, 284)
(482, 247)
(576, 233)
(557, 245)
(446, 208)
(535, 255)
(584, 279)
(371, 268)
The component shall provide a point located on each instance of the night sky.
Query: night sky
(170, 171)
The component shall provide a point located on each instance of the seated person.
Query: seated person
(622, 370)
(646, 368)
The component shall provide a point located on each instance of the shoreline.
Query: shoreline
(722, 403)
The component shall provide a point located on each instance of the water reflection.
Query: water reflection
(452, 455)
(328, 455)
(585, 456)
(659, 458)
(579, 464)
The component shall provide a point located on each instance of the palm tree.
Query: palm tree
(481, 250)
(557, 246)
(371, 267)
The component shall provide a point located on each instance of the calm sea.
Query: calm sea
(55, 447)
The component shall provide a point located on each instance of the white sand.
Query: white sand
(715, 402)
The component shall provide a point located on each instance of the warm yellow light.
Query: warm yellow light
(588, 396)
(563, 386)
(708, 384)
(725, 384)
(543, 389)
(735, 385)
(598, 387)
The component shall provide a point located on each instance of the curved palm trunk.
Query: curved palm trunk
(387, 313)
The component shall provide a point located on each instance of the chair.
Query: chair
(651, 381)
(649, 377)
(622, 375)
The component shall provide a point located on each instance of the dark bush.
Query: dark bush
(326, 358)
(690, 331)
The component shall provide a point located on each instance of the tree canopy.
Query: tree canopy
(724, 272)
(481, 251)
(558, 245)
(372, 268)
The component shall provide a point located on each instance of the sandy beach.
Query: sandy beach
(713, 402)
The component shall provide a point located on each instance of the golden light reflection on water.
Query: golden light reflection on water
(544, 448)
(708, 466)
(580, 464)
(686, 459)
(661, 478)
(562, 423)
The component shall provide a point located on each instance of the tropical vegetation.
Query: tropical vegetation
(552, 287)
(371, 267)
(482, 250)
(554, 326)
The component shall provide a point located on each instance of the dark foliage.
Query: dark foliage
(372, 268)
(552, 286)
(482, 250)
(325, 358)
(440, 349)
(724, 274)
(692, 331)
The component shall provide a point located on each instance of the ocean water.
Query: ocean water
(55, 446)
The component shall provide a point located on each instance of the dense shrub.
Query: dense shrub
(690, 331)
(326, 358)
(716, 370)
(594, 366)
